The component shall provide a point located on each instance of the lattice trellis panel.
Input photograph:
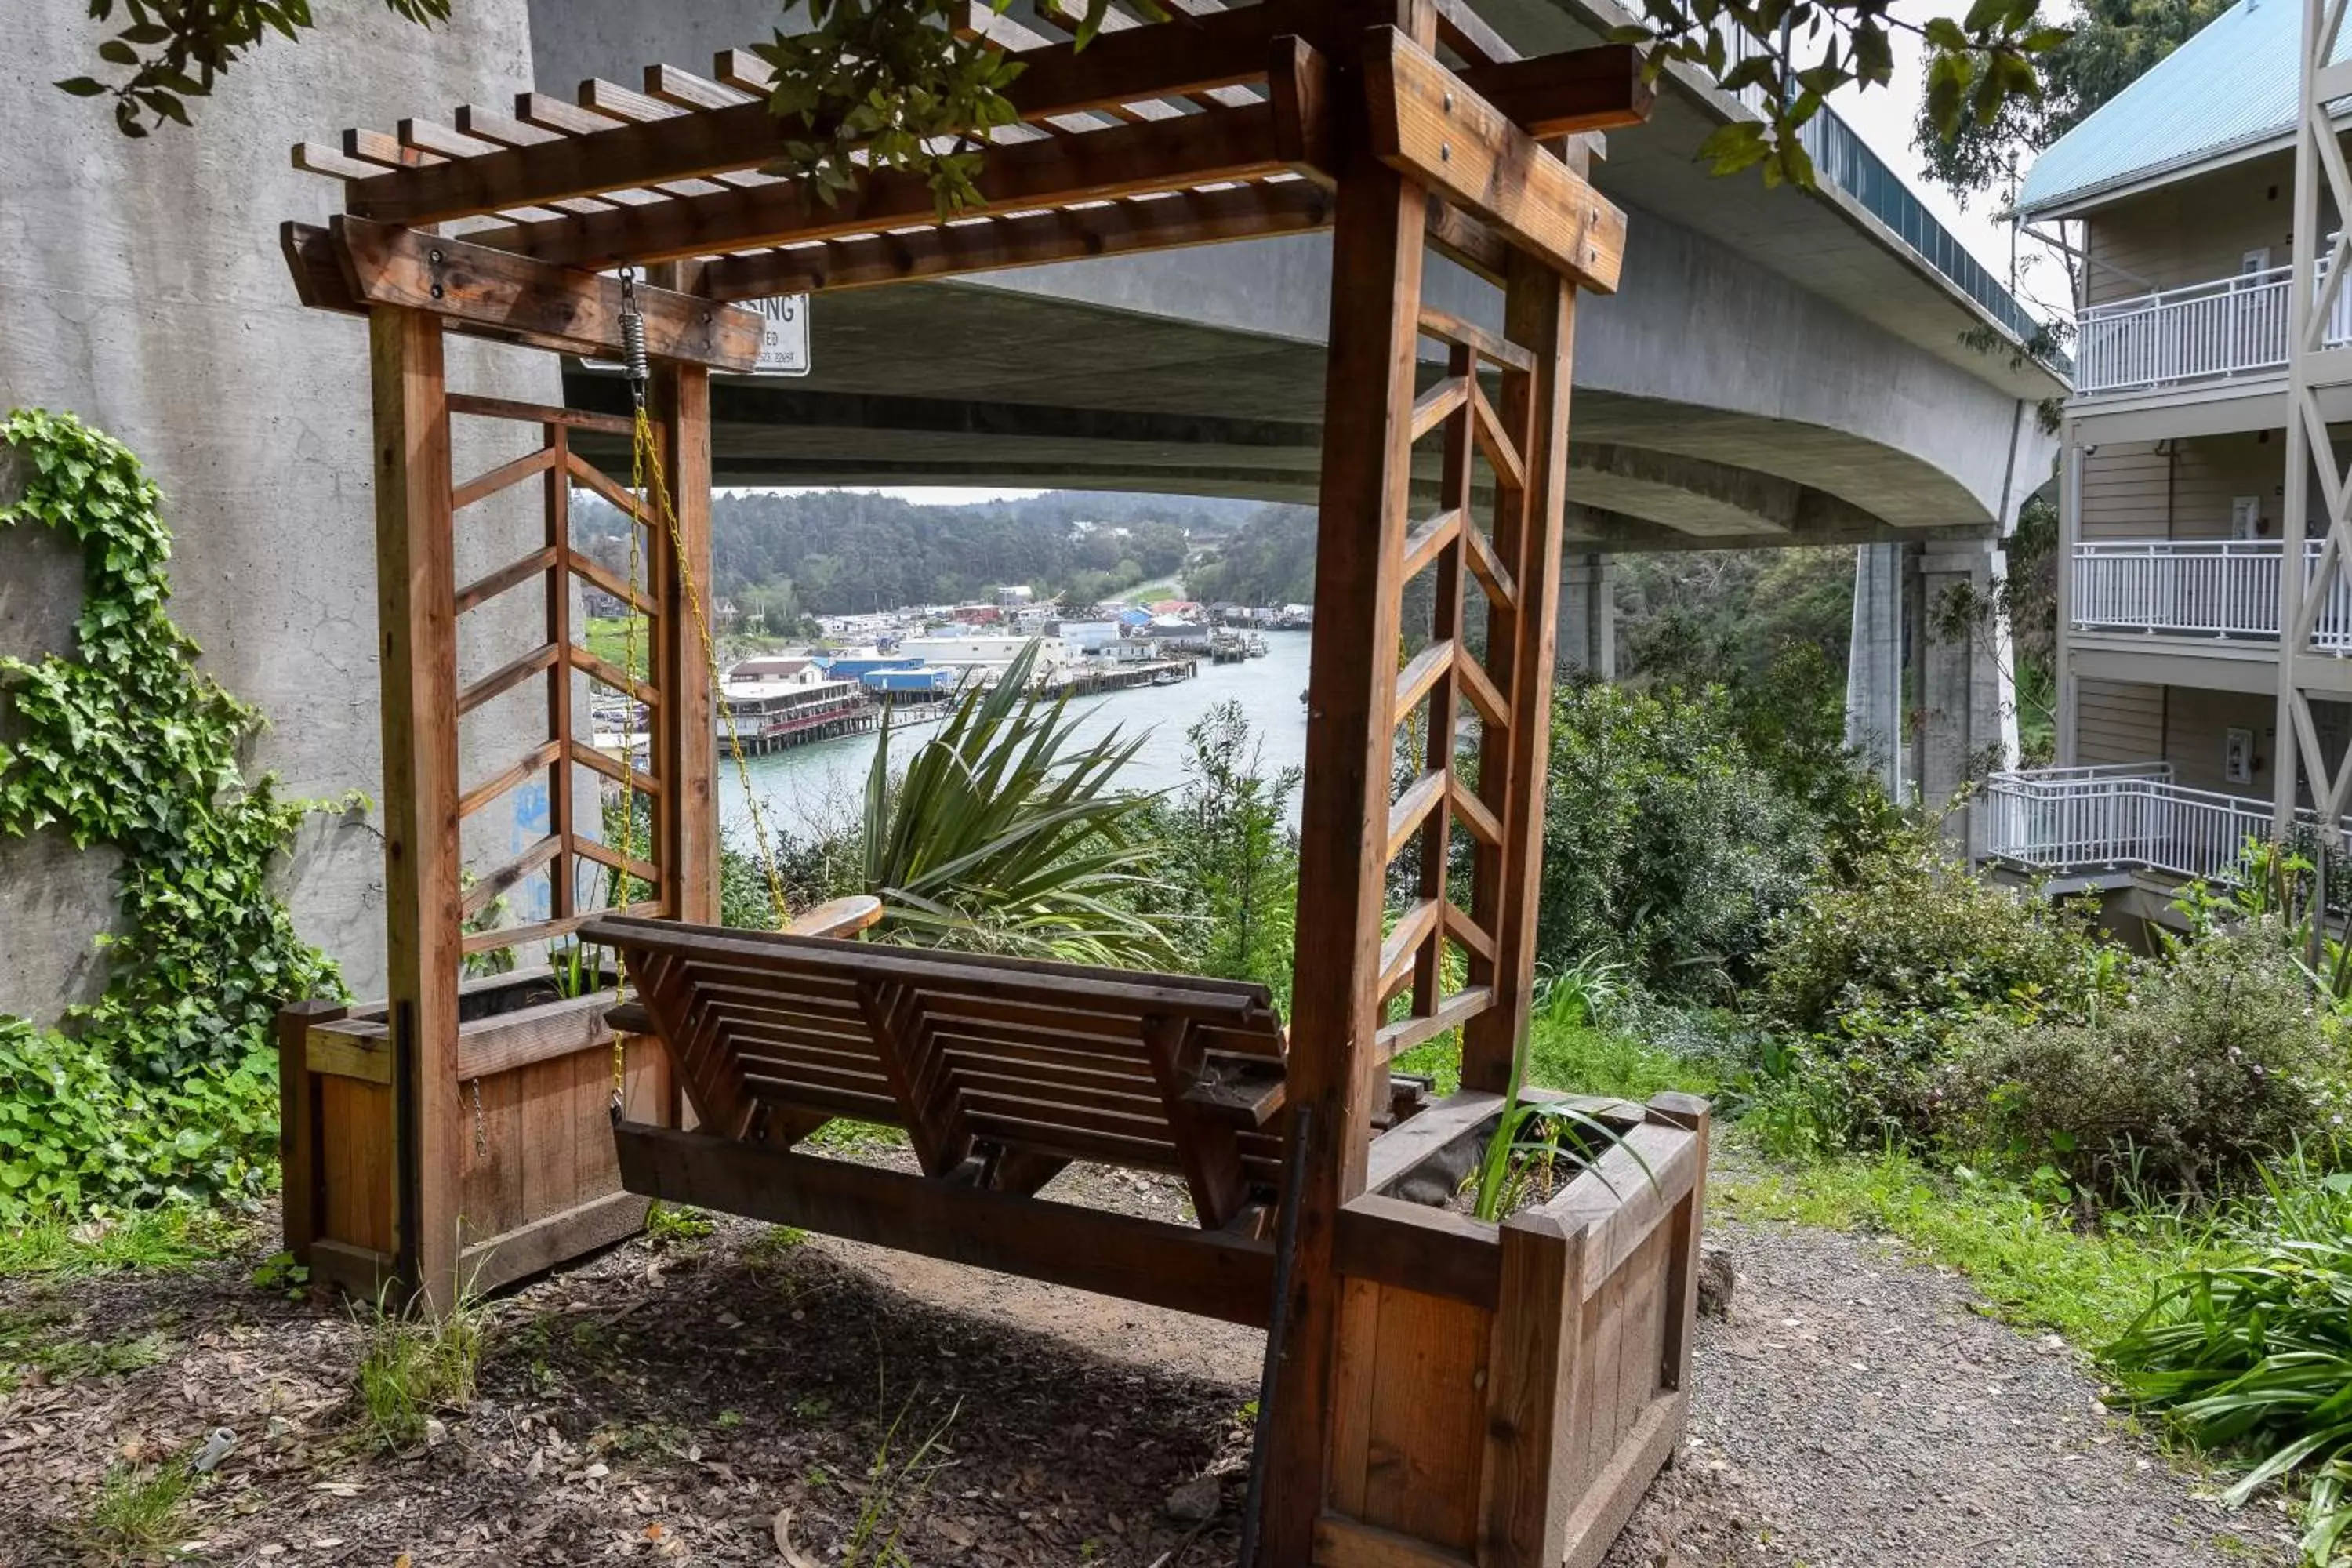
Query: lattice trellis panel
(1445, 675)
(569, 848)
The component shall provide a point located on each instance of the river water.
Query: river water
(801, 790)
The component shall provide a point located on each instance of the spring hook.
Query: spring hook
(633, 335)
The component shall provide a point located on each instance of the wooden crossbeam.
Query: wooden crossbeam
(1453, 1012)
(1567, 94)
(1404, 939)
(1423, 795)
(538, 760)
(537, 413)
(502, 475)
(1424, 543)
(1447, 328)
(608, 146)
(491, 585)
(508, 676)
(607, 673)
(1488, 568)
(1474, 814)
(1430, 409)
(1160, 222)
(1415, 680)
(1430, 125)
(612, 860)
(389, 152)
(608, 583)
(485, 891)
(1461, 928)
(1479, 686)
(596, 762)
(1198, 149)
(1212, 1273)
(684, 90)
(586, 473)
(555, 306)
(1500, 450)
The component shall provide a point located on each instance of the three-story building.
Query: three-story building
(2177, 201)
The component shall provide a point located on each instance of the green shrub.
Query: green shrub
(1870, 977)
(2210, 1062)
(1911, 931)
(1668, 847)
(1224, 865)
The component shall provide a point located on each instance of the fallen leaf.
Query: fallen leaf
(784, 1540)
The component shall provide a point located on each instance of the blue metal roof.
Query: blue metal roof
(2230, 86)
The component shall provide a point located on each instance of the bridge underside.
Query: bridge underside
(969, 384)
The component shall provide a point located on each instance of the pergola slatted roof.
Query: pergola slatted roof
(1199, 130)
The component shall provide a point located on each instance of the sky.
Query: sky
(1885, 116)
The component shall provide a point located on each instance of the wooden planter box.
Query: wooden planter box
(539, 1182)
(1503, 1394)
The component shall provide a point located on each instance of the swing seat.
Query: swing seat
(1000, 1071)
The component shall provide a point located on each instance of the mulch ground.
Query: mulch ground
(724, 1399)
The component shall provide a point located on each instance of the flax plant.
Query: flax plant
(1005, 834)
(2256, 1355)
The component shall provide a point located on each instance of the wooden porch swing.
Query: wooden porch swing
(1443, 1393)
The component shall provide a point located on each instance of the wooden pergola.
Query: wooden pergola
(1443, 1393)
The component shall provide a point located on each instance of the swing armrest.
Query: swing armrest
(841, 918)
(628, 1018)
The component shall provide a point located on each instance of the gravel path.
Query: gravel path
(1854, 1412)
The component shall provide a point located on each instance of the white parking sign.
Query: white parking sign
(784, 346)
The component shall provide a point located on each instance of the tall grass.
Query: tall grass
(413, 1366)
(2255, 1354)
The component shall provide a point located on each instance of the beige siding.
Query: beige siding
(2193, 231)
(2118, 721)
(2131, 490)
(2195, 738)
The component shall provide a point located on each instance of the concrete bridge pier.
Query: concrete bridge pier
(1588, 613)
(1924, 630)
(1964, 722)
(1874, 671)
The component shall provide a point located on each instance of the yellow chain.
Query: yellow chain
(718, 680)
(645, 459)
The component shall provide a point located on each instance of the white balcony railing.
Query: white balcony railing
(2203, 331)
(2128, 817)
(2219, 589)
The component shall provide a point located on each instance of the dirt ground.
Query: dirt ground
(722, 1399)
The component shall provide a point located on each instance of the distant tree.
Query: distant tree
(1269, 560)
(2113, 44)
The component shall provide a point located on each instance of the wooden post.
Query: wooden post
(1694, 1116)
(1376, 274)
(1540, 315)
(686, 750)
(298, 1128)
(416, 620)
(1525, 1498)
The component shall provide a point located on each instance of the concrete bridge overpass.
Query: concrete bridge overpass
(1779, 367)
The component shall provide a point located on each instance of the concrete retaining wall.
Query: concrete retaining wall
(140, 287)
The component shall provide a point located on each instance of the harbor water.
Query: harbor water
(802, 789)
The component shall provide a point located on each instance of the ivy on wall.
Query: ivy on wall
(166, 1085)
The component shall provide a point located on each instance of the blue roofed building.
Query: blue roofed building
(2177, 201)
